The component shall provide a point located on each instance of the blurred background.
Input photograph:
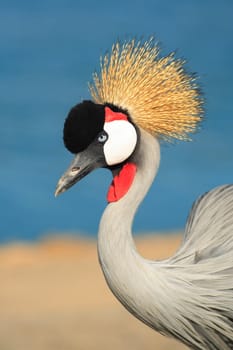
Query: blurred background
(48, 52)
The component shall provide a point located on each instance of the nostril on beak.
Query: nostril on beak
(75, 169)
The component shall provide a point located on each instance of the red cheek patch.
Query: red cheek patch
(110, 116)
(121, 183)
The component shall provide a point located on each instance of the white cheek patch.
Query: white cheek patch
(122, 139)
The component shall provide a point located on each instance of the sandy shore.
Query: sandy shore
(53, 297)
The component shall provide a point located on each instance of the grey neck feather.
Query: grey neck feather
(175, 296)
(123, 267)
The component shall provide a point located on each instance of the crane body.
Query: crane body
(175, 296)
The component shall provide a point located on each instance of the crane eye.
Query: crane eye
(103, 136)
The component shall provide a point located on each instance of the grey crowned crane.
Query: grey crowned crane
(139, 98)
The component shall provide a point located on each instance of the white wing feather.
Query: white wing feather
(205, 262)
(209, 229)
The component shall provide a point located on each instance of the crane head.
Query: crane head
(99, 136)
(135, 90)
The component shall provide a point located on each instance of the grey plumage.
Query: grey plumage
(188, 296)
(142, 96)
(207, 255)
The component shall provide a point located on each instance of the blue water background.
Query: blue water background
(48, 51)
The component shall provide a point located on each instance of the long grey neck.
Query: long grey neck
(118, 257)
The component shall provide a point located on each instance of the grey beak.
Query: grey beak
(83, 163)
(72, 175)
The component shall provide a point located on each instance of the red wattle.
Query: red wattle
(121, 182)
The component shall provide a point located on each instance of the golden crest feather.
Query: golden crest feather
(156, 91)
